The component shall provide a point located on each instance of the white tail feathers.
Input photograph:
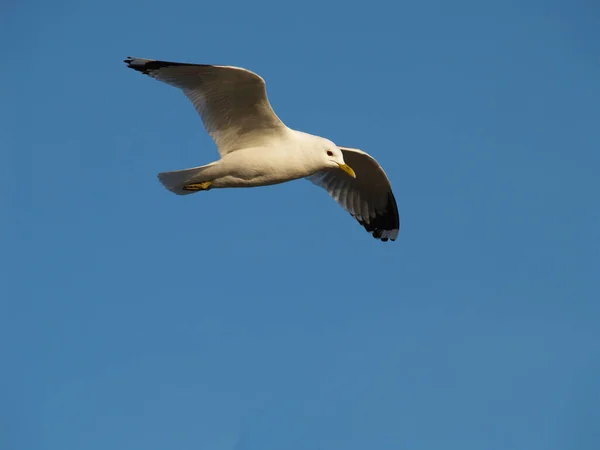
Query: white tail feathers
(176, 180)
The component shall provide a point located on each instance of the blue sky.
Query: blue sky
(267, 318)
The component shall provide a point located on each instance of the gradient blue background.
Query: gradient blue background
(267, 318)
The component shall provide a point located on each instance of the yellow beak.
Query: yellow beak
(346, 168)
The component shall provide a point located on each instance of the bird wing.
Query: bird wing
(231, 101)
(368, 197)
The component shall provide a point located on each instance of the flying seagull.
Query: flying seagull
(258, 149)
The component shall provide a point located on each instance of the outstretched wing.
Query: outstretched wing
(368, 197)
(231, 101)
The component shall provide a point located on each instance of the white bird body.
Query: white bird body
(257, 149)
(285, 160)
(282, 160)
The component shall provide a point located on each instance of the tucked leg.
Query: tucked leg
(205, 186)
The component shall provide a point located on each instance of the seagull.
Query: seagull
(258, 149)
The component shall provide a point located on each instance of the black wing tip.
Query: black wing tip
(146, 66)
(385, 223)
(131, 61)
(136, 64)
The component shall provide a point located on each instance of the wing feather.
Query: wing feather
(231, 101)
(368, 197)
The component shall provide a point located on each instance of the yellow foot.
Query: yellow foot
(198, 186)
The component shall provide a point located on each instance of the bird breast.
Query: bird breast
(263, 166)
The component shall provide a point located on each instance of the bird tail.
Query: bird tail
(176, 180)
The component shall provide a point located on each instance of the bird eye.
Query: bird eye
(329, 153)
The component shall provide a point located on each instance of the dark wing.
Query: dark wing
(368, 197)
